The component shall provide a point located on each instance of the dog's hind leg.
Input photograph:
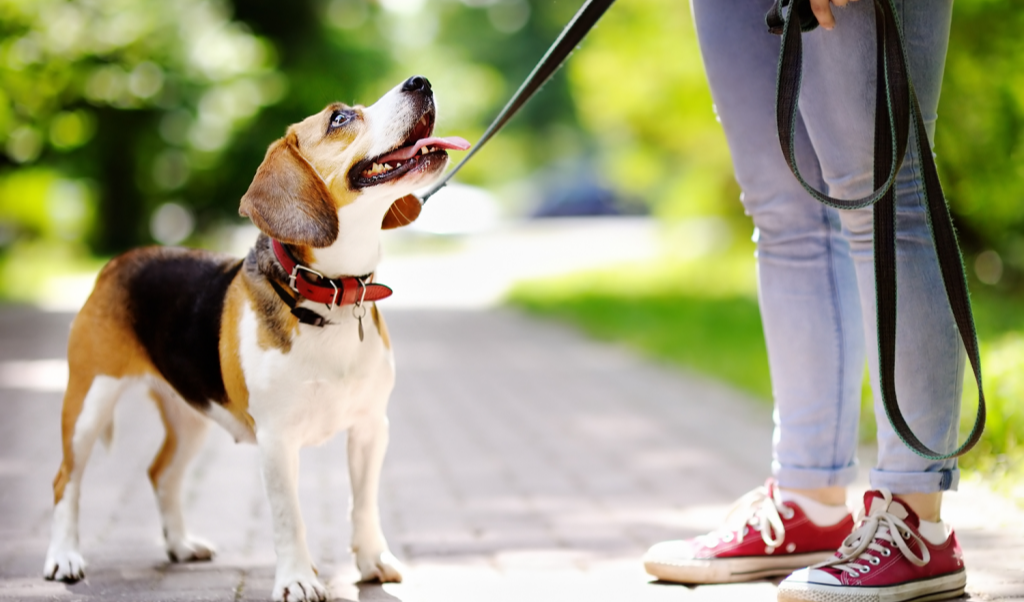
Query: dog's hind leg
(367, 442)
(88, 409)
(185, 432)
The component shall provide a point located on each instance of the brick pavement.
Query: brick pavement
(526, 463)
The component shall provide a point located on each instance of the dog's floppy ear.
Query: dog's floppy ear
(403, 212)
(288, 201)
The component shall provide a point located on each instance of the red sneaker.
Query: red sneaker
(763, 536)
(884, 560)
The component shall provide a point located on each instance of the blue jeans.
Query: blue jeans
(815, 264)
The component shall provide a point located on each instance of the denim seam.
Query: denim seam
(837, 316)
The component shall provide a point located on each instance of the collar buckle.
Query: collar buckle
(293, 283)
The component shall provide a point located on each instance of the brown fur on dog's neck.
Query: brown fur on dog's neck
(277, 324)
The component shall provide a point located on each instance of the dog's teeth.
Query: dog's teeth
(423, 150)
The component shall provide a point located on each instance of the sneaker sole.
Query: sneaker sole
(731, 570)
(939, 588)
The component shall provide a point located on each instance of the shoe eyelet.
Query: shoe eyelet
(875, 561)
(906, 535)
(886, 552)
(727, 538)
(864, 569)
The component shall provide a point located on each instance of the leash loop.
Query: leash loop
(898, 122)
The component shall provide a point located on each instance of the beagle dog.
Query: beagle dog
(283, 349)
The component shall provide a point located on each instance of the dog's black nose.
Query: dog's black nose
(416, 83)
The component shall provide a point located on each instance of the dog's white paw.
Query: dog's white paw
(190, 549)
(299, 588)
(383, 567)
(64, 565)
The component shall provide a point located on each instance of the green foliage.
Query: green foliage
(640, 87)
(701, 313)
(44, 206)
(149, 103)
(156, 102)
(126, 97)
(1004, 385)
(980, 131)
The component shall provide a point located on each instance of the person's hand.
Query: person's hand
(823, 11)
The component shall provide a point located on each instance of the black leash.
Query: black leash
(571, 36)
(897, 118)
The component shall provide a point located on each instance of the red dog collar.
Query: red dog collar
(329, 291)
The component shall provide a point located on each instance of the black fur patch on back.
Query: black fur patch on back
(176, 297)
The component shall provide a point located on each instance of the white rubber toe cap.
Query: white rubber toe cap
(810, 575)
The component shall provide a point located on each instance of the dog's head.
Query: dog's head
(344, 155)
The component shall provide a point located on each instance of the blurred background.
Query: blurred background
(130, 122)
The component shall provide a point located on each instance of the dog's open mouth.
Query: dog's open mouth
(419, 150)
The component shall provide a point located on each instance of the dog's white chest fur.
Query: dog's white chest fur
(327, 379)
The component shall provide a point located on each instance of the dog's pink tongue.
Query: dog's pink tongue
(451, 142)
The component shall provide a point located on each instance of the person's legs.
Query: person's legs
(900, 551)
(810, 310)
(806, 280)
(837, 105)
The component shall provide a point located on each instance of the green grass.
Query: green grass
(702, 315)
(720, 337)
(706, 320)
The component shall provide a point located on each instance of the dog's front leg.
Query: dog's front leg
(367, 442)
(295, 579)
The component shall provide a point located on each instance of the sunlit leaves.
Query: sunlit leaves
(127, 54)
(67, 67)
(640, 90)
(38, 202)
(980, 131)
(71, 129)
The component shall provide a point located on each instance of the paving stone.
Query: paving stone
(526, 463)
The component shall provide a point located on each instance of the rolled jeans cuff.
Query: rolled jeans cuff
(916, 482)
(814, 478)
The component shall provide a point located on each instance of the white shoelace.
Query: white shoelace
(862, 548)
(761, 509)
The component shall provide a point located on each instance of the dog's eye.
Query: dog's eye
(340, 118)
